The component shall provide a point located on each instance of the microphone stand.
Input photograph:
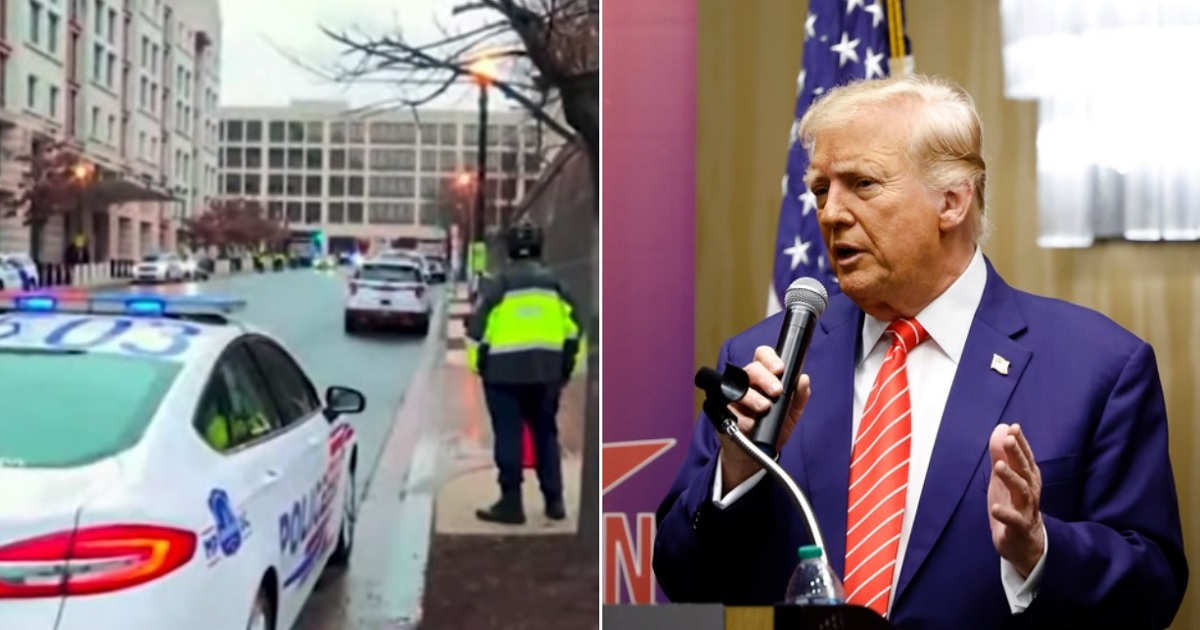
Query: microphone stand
(722, 389)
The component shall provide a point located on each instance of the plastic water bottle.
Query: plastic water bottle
(813, 582)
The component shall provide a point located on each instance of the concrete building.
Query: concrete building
(316, 165)
(133, 85)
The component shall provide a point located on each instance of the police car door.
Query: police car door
(308, 528)
(249, 482)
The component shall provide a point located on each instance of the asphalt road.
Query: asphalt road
(303, 308)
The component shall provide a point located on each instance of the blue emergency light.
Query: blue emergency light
(35, 303)
(121, 303)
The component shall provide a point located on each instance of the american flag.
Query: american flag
(844, 40)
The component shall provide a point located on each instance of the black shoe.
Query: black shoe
(555, 510)
(505, 512)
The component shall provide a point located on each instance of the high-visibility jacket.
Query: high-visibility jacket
(525, 327)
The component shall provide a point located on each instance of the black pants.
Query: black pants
(510, 407)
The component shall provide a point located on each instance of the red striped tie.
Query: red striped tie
(879, 475)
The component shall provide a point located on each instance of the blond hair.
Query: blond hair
(947, 141)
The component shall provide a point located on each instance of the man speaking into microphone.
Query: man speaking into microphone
(976, 456)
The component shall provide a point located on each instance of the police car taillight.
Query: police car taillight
(92, 560)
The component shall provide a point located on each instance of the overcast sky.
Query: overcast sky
(254, 72)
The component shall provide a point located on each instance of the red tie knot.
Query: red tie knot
(908, 333)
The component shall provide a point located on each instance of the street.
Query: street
(303, 308)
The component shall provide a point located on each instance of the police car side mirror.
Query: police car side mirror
(340, 400)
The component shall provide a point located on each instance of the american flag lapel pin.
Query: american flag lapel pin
(1000, 364)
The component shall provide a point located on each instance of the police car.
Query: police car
(162, 466)
(388, 291)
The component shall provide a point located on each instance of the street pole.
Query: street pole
(479, 235)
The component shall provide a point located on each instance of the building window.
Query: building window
(276, 131)
(356, 187)
(275, 158)
(312, 158)
(295, 159)
(254, 157)
(99, 18)
(109, 69)
(254, 131)
(337, 213)
(294, 186)
(31, 88)
(354, 213)
(337, 134)
(253, 184)
(312, 212)
(97, 63)
(108, 131)
(234, 131)
(144, 93)
(312, 185)
(315, 132)
(112, 26)
(145, 51)
(294, 211)
(52, 32)
(54, 101)
(35, 22)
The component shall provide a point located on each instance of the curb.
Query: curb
(389, 507)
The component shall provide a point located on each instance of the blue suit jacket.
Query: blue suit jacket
(1088, 396)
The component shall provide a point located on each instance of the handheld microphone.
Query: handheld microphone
(804, 301)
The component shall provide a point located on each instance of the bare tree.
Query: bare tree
(553, 47)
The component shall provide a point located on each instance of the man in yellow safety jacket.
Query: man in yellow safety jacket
(523, 339)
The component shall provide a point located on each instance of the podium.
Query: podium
(717, 617)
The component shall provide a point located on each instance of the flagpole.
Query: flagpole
(895, 19)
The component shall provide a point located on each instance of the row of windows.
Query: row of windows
(446, 160)
(356, 186)
(251, 131)
(337, 212)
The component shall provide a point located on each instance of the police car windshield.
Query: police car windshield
(101, 406)
(390, 273)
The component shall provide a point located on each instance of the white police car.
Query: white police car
(120, 504)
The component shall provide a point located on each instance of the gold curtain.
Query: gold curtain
(748, 59)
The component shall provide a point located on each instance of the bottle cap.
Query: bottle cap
(809, 552)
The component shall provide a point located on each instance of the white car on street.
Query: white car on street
(163, 467)
(156, 268)
(388, 291)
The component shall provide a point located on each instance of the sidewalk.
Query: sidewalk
(484, 575)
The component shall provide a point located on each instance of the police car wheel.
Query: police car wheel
(262, 615)
(345, 543)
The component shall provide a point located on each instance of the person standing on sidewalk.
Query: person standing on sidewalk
(522, 340)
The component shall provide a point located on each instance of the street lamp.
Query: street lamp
(483, 71)
(82, 174)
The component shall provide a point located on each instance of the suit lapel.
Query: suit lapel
(977, 401)
(826, 423)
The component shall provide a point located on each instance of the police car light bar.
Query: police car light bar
(117, 303)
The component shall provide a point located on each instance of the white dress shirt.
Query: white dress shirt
(931, 367)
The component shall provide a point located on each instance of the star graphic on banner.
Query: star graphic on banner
(876, 11)
(623, 459)
(800, 81)
(785, 183)
(846, 49)
(810, 201)
(810, 25)
(798, 252)
(874, 69)
(853, 3)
